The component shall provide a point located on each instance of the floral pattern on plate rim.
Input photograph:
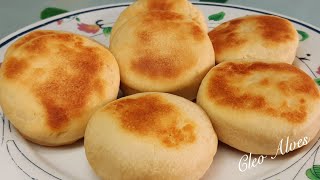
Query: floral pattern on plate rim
(312, 173)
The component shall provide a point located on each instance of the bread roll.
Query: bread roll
(150, 136)
(255, 105)
(262, 38)
(162, 50)
(51, 84)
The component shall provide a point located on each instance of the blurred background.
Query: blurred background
(15, 14)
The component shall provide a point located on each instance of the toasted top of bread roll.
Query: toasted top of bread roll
(162, 51)
(24, 39)
(257, 37)
(52, 83)
(253, 105)
(163, 133)
(142, 7)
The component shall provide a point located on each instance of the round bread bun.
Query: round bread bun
(140, 7)
(150, 136)
(162, 51)
(262, 38)
(51, 85)
(254, 106)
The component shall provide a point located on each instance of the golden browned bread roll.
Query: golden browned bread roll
(262, 38)
(162, 50)
(254, 106)
(150, 136)
(51, 84)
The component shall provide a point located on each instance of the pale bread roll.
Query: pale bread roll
(150, 136)
(144, 6)
(262, 38)
(52, 84)
(162, 51)
(255, 105)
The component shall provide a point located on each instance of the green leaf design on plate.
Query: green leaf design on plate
(77, 19)
(107, 30)
(316, 168)
(311, 174)
(217, 17)
(318, 82)
(219, 1)
(51, 11)
(303, 35)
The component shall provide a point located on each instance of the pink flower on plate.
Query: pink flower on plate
(318, 71)
(59, 21)
(88, 28)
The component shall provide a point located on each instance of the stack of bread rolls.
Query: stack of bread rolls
(57, 87)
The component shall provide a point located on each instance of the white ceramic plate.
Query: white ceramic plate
(20, 159)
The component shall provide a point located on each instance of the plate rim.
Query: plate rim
(38, 24)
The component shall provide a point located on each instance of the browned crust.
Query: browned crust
(226, 35)
(271, 29)
(164, 5)
(153, 116)
(170, 63)
(221, 89)
(64, 94)
(27, 38)
(14, 67)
